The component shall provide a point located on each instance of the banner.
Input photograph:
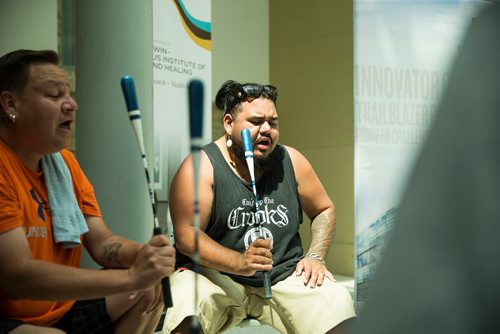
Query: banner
(182, 47)
(403, 50)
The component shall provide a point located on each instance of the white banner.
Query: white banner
(181, 52)
(403, 50)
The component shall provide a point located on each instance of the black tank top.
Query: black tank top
(232, 222)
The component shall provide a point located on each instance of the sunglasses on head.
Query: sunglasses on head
(252, 91)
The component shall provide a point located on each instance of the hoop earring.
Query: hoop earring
(229, 142)
(12, 118)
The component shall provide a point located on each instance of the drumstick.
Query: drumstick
(195, 90)
(134, 114)
(247, 146)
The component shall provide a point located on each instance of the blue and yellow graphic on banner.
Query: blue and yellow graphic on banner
(199, 31)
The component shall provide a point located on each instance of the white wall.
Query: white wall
(28, 24)
(108, 48)
(240, 41)
(240, 46)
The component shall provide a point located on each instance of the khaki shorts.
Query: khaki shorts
(224, 303)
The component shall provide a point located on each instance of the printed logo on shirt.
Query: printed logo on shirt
(40, 204)
(269, 213)
(36, 232)
(254, 234)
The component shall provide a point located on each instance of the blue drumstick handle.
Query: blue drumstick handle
(247, 141)
(247, 149)
(196, 108)
(128, 89)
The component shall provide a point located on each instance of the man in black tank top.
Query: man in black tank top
(233, 256)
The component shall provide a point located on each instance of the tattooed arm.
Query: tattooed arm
(322, 228)
(108, 249)
(146, 265)
(319, 208)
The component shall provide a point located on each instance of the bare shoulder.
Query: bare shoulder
(299, 161)
(185, 173)
(187, 163)
(206, 168)
(292, 152)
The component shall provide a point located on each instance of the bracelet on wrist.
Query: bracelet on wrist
(316, 257)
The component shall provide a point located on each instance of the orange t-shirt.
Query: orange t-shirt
(24, 202)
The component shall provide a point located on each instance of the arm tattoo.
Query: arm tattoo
(322, 228)
(110, 252)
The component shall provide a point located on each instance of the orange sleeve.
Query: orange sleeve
(10, 209)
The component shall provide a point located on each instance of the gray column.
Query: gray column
(115, 38)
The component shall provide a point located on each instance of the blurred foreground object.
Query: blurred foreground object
(440, 270)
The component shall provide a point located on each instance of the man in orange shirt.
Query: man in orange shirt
(42, 287)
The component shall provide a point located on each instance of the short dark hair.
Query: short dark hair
(231, 94)
(15, 70)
